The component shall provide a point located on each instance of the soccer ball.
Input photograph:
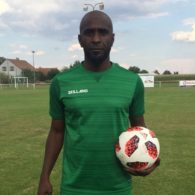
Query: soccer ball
(137, 148)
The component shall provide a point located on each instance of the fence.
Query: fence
(23, 86)
(160, 84)
(157, 84)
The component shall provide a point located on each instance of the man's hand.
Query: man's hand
(45, 187)
(144, 172)
(53, 147)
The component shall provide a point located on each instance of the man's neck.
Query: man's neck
(97, 67)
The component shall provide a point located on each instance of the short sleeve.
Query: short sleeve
(137, 106)
(56, 107)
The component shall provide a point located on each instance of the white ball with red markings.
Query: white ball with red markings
(138, 148)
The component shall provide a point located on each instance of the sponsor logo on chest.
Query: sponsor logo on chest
(77, 91)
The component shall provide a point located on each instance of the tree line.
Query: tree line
(41, 77)
(131, 68)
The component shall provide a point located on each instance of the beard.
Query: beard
(97, 57)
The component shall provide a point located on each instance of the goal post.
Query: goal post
(20, 81)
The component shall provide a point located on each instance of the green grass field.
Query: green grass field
(24, 124)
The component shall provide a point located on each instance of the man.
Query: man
(90, 106)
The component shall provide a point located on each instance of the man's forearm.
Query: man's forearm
(52, 149)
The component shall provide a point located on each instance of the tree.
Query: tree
(4, 79)
(28, 73)
(65, 69)
(167, 72)
(2, 59)
(143, 71)
(76, 63)
(134, 69)
(156, 72)
(52, 73)
(40, 76)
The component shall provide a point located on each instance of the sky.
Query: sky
(150, 34)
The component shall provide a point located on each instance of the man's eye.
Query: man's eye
(103, 32)
(88, 32)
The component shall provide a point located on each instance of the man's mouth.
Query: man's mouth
(96, 49)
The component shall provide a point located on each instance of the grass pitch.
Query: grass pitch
(24, 124)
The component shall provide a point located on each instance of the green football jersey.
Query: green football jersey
(95, 107)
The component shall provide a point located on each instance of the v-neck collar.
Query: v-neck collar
(98, 75)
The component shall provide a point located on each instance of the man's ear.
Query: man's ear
(113, 36)
(79, 39)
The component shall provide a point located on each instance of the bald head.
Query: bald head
(96, 38)
(95, 16)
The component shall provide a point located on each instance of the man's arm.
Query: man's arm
(139, 121)
(52, 149)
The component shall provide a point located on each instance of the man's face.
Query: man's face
(96, 38)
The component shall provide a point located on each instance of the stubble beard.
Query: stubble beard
(97, 59)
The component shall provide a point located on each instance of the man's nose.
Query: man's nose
(96, 37)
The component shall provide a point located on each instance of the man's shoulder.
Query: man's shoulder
(66, 74)
(125, 72)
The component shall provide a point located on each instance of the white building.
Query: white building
(148, 79)
(14, 67)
